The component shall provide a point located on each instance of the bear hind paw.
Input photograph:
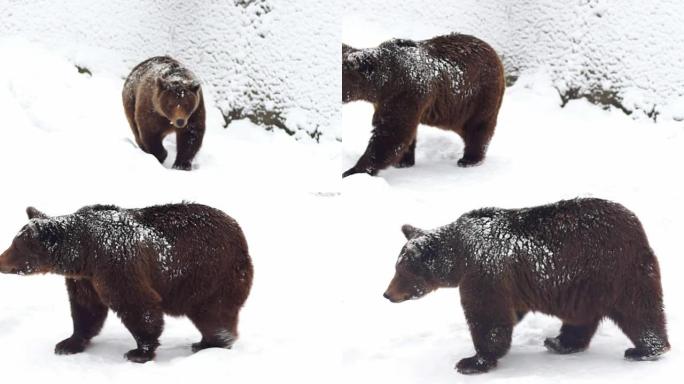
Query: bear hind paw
(475, 364)
(139, 355)
(644, 353)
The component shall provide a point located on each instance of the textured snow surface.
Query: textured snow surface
(540, 153)
(251, 54)
(628, 47)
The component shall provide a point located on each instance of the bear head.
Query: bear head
(358, 72)
(425, 263)
(177, 98)
(33, 247)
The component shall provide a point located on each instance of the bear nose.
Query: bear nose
(180, 122)
(386, 296)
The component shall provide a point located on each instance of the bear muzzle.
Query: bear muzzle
(180, 123)
(5, 265)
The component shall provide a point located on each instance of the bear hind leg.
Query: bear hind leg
(218, 328)
(476, 139)
(647, 333)
(572, 338)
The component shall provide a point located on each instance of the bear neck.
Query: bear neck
(67, 255)
(449, 263)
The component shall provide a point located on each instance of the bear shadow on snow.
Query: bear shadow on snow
(175, 259)
(580, 260)
(454, 82)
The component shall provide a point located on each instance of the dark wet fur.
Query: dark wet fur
(580, 260)
(176, 259)
(154, 86)
(454, 82)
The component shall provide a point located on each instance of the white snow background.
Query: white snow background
(67, 144)
(278, 55)
(540, 153)
(322, 259)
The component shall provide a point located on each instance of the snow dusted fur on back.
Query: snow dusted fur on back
(581, 260)
(161, 96)
(178, 259)
(455, 82)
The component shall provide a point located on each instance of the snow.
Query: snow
(323, 249)
(540, 153)
(67, 145)
(251, 55)
(589, 45)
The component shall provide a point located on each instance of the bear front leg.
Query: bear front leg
(490, 319)
(476, 139)
(572, 338)
(139, 308)
(188, 143)
(409, 158)
(394, 132)
(146, 325)
(492, 340)
(88, 314)
(152, 143)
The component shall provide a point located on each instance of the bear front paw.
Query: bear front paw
(354, 170)
(553, 344)
(182, 166)
(72, 345)
(139, 355)
(468, 162)
(475, 364)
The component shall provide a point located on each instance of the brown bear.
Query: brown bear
(177, 259)
(581, 260)
(455, 82)
(161, 96)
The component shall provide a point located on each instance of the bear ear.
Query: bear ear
(33, 213)
(359, 61)
(161, 84)
(411, 232)
(194, 86)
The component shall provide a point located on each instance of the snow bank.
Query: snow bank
(263, 59)
(618, 52)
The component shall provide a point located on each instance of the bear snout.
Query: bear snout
(180, 123)
(395, 298)
(5, 265)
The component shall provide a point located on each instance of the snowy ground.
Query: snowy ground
(323, 250)
(67, 144)
(540, 153)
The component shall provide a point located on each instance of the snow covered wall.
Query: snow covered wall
(622, 52)
(273, 61)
